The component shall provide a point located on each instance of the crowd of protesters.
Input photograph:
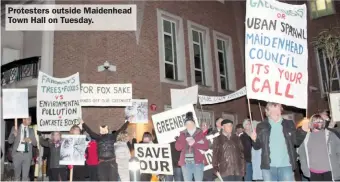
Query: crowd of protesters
(268, 150)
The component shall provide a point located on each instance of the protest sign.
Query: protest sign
(139, 111)
(181, 97)
(106, 94)
(58, 102)
(170, 123)
(276, 52)
(72, 150)
(15, 103)
(209, 153)
(335, 106)
(154, 158)
(204, 99)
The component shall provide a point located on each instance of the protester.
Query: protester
(107, 168)
(58, 172)
(228, 159)
(277, 137)
(177, 175)
(239, 130)
(146, 139)
(131, 143)
(204, 128)
(191, 142)
(326, 116)
(92, 160)
(319, 153)
(123, 155)
(247, 148)
(23, 140)
(217, 126)
(78, 171)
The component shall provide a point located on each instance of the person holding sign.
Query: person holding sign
(107, 168)
(277, 137)
(58, 172)
(23, 140)
(191, 142)
(228, 158)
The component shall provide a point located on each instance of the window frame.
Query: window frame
(180, 48)
(206, 63)
(229, 62)
(316, 15)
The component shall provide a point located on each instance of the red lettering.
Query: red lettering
(61, 97)
(56, 97)
(277, 84)
(256, 79)
(290, 96)
(266, 69)
(266, 85)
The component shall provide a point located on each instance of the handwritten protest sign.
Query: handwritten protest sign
(15, 103)
(106, 94)
(170, 123)
(209, 153)
(72, 150)
(204, 99)
(181, 97)
(276, 52)
(58, 102)
(335, 106)
(139, 111)
(154, 158)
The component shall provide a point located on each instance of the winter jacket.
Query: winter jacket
(333, 148)
(201, 144)
(122, 158)
(293, 138)
(105, 143)
(247, 146)
(228, 157)
(92, 154)
(175, 155)
(54, 156)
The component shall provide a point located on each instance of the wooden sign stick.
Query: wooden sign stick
(16, 124)
(71, 174)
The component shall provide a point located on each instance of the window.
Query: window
(324, 72)
(320, 8)
(171, 48)
(200, 55)
(224, 62)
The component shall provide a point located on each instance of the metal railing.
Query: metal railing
(20, 69)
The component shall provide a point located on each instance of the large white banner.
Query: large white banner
(58, 102)
(204, 99)
(335, 106)
(15, 103)
(276, 52)
(72, 150)
(181, 97)
(154, 158)
(170, 123)
(138, 110)
(106, 94)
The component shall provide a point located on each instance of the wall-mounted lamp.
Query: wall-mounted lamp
(107, 66)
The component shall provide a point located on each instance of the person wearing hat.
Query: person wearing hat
(190, 143)
(228, 158)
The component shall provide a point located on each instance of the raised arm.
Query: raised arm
(92, 134)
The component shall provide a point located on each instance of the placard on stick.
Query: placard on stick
(15, 103)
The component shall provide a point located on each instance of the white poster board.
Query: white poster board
(181, 97)
(335, 106)
(139, 111)
(15, 103)
(106, 94)
(58, 102)
(72, 151)
(276, 52)
(170, 123)
(204, 99)
(154, 158)
(209, 153)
